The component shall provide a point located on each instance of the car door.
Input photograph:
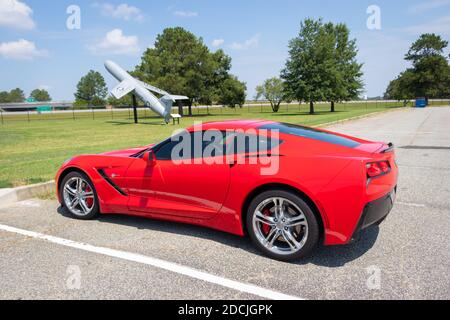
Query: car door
(195, 189)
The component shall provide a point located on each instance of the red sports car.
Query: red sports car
(287, 187)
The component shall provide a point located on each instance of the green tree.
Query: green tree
(272, 90)
(40, 95)
(428, 45)
(232, 92)
(4, 97)
(346, 73)
(429, 75)
(16, 95)
(181, 63)
(310, 68)
(399, 88)
(430, 67)
(122, 102)
(91, 89)
(322, 64)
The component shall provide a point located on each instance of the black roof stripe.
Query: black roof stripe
(311, 133)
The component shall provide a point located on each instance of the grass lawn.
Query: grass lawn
(31, 151)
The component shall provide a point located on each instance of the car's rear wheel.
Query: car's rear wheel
(79, 196)
(282, 225)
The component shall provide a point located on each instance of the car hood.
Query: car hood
(126, 152)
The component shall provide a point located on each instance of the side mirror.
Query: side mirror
(150, 157)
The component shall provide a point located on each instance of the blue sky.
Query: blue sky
(38, 50)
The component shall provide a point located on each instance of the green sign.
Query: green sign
(42, 109)
(31, 100)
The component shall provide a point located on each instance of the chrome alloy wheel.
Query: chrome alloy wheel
(280, 226)
(79, 196)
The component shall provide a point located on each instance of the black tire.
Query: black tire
(313, 231)
(95, 210)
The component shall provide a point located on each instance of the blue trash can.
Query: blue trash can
(421, 103)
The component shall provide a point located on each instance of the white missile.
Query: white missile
(162, 106)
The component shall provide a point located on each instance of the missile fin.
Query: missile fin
(152, 88)
(167, 102)
(175, 97)
(123, 89)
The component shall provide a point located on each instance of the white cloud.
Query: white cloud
(248, 44)
(440, 26)
(218, 42)
(186, 14)
(21, 50)
(428, 5)
(115, 42)
(122, 11)
(16, 14)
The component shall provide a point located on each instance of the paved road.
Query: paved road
(410, 251)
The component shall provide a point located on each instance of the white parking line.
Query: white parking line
(158, 263)
(410, 204)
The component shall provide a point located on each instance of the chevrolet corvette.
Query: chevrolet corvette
(288, 188)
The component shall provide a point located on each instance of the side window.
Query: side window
(165, 151)
(243, 143)
(212, 144)
(265, 144)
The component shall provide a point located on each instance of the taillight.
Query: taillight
(384, 165)
(375, 169)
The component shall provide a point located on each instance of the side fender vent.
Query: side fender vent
(115, 186)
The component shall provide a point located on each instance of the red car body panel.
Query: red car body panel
(333, 178)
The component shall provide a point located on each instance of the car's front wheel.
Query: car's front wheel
(79, 196)
(282, 225)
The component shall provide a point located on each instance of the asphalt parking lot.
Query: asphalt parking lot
(407, 257)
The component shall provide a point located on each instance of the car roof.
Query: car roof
(307, 132)
(230, 124)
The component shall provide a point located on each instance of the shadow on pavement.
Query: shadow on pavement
(326, 256)
(338, 256)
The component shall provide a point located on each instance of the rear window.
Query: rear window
(311, 133)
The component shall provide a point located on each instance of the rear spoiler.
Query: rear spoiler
(390, 148)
